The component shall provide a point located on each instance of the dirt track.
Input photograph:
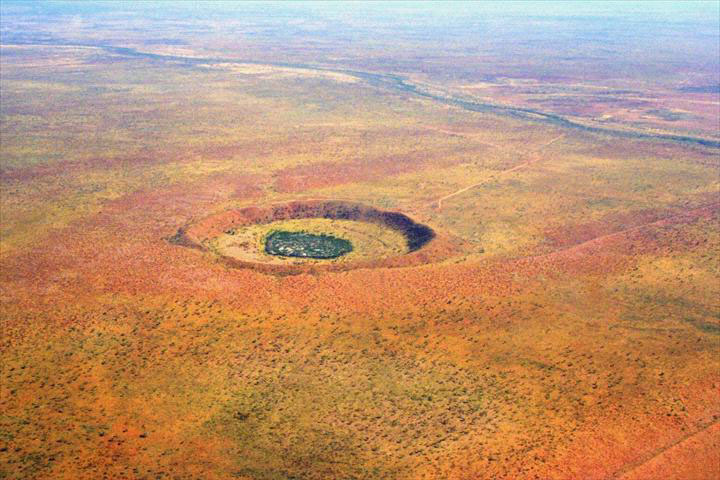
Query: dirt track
(533, 159)
(679, 446)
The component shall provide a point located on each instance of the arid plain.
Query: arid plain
(563, 322)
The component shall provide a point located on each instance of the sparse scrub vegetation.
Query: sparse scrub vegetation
(532, 291)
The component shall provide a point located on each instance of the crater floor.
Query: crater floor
(369, 240)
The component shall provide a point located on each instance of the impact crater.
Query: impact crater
(315, 235)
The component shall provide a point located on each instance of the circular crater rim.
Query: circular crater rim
(424, 244)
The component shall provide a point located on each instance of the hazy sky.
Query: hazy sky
(655, 9)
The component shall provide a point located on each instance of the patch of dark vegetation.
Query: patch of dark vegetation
(183, 240)
(701, 89)
(165, 41)
(708, 328)
(306, 245)
(668, 115)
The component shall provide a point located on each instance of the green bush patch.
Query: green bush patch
(306, 245)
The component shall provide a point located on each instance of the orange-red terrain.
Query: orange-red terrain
(563, 322)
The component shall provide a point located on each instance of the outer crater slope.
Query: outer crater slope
(378, 238)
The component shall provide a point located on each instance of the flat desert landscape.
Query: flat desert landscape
(318, 241)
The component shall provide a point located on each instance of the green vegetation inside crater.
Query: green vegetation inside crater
(306, 245)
